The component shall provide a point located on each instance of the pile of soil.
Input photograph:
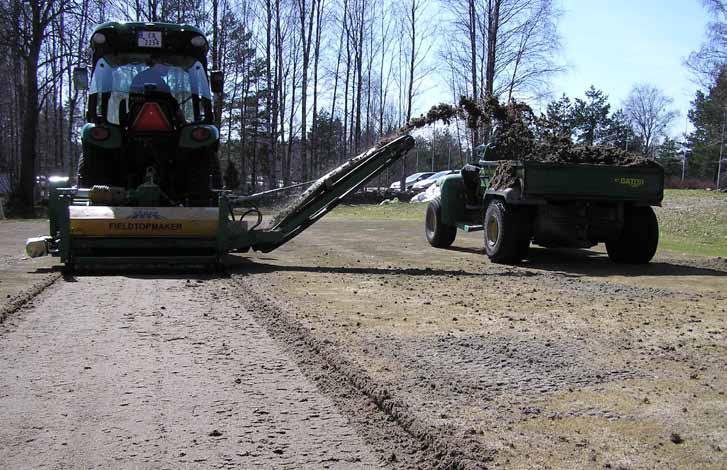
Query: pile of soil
(504, 176)
(521, 135)
(563, 153)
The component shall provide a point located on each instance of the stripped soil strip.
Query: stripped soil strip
(439, 447)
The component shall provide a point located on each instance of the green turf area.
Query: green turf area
(694, 222)
(400, 211)
(690, 221)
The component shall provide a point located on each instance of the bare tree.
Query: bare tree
(502, 46)
(364, 61)
(417, 34)
(648, 108)
(24, 24)
(706, 62)
(306, 16)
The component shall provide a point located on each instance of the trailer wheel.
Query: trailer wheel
(439, 234)
(639, 237)
(506, 241)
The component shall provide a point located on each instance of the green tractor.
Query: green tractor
(150, 117)
(551, 205)
(149, 187)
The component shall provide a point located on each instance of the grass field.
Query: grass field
(690, 221)
(694, 222)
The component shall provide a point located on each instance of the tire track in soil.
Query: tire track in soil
(17, 302)
(413, 442)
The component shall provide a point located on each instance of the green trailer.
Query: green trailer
(551, 205)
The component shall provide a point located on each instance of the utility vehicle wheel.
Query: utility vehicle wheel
(92, 171)
(505, 238)
(439, 235)
(639, 237)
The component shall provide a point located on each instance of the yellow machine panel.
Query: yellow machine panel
(107, 221)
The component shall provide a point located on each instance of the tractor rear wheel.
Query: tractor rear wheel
(200, 169)
(439, 234)
(506, 236)
(639, 237)
(92, 171)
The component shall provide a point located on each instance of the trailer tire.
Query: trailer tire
(439, 234)
(639, 237)
(506, 239)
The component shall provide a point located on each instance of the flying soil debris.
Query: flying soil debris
(521, 135)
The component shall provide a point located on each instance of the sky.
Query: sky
(614, 44)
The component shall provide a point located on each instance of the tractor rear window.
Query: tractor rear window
(117, 76)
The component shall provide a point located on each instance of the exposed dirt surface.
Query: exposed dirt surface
(21, 278)
(143, 372)
(423, 444)
(357, 346)
(566, 362)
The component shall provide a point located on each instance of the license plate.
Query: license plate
(149, 38)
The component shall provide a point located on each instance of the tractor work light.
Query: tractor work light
(58, 179)
(100, 133)
(199, 41)
(200, 134)
(99, 38)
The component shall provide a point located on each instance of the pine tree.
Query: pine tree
(560, 115)
(590, 116)
(619, 133)
(708, 117)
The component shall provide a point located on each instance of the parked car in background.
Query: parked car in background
(423, 184)
(410, 180)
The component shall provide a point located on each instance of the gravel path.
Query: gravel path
(124, 372)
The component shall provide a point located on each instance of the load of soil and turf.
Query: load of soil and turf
(520, 135)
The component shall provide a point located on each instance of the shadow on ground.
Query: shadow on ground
(574, 263)
(191, 272)
(567, 262)
(591, 263)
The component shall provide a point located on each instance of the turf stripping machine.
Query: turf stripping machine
(88, 227)
(149, 179)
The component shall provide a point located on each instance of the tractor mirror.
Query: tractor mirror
(80, 78)
(217, 82)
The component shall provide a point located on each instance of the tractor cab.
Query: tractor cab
(143, 93)
(150, 117)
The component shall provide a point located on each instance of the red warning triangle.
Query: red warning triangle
(151, 118)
